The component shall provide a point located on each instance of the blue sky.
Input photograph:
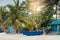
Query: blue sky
(5, 2)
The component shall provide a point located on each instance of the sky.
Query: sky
(5, 2)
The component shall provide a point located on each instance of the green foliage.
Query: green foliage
(45, 16)
(19, 17)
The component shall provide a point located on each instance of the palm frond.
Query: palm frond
(6, 21)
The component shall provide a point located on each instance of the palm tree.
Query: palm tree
(3, 15)
(44, 17)
(18, 16)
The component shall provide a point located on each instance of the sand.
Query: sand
(4, 36)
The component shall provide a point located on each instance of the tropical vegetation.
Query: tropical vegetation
(18, 16)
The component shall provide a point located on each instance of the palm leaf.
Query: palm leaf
(6, 21)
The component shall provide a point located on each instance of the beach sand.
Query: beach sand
(4, 36)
